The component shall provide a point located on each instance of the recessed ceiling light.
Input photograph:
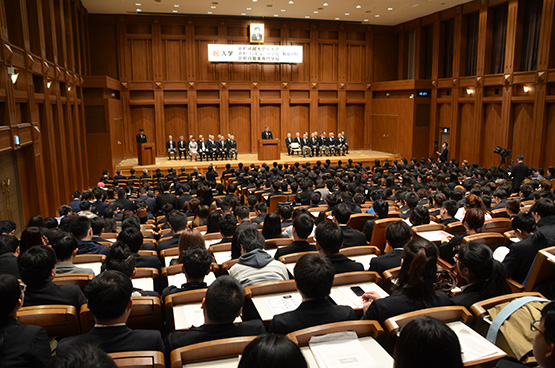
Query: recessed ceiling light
(175, 11)
(243, 13)
(347, 13)
(249, 8)
(325, 4)
(359, 6)
(377, 15)
(291, 2)
(315, 11)
(390, 9)
(176, 5)
(137, 4)
(366, 20)
(337, 18)
(209, 12)
(254, 1)
(307, 16)
(275, 15)
(283, 10)
(139, 10)
(213, 7)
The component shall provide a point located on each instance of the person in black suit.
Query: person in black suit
(221, 306)
(37, 267)
(231, 146)
(306, 145)
(267, 133)
(242, 215)
(81, 228)
(165, 196)
(351, 237)
(171, 147)
(302, 228)
(448, 211)
(314, 278)
(134, 240)
(288, 142)
(329, 239)
(123, 202)
(76, 202)
(141, 137)
(444, 155)
(397, 234)
(500, 198)
(110, 303)
(83, 356)
(9, 250)
(196, 265)
(182, 148)
(519, 172)
(20, 345)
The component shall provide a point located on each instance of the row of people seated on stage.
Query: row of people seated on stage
(221, 148)
(315, 144)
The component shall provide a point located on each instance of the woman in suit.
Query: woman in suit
(415, 288)
(193, 149)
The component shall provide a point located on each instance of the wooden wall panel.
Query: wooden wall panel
(445, 116)
(173, 59)
(141, 59)
(466, 144)
(550, 132)
(328, 66)
(492, 136)
(354, 126)
(327, 118)
(209, 120)
(298, 120)
(301, 72)
(270, 115)
(356, 56)
(240, 126)
(523, 130)
(385, 56)
(176, 121)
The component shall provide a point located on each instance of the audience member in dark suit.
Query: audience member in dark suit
(410, 201)
(447, 212)
(228, 226)
(329, 239)
(123, 202)
(9, 250)
(242, 215)
(171, 147)
(415, 286)
(486, 277)
(178, 223)
(37, 267)
(519, 172)
(65, 246)
(302, 228)
(261, 210)
(314, 278)
(381, 210)
(500, 197)
(134, 240)
(165, 197)
(196, 264)
(109, 299)
(76, 202)
(397, 234)
(351, 237)
(267, 133)
(20, 345)
(99, 205)
(221, 306)
(82, 230)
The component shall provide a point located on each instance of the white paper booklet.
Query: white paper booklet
(340, 350)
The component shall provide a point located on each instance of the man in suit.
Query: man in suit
(333, 144)
(444, 155)
(211, 147)
(109, 299)
(134, 240)
(123, 202)
(9, 250)
(74, 204)
(306, 145)
(261, 210)
(81, 228)
(448, 211)
(141, 137)
(329, 239)
(65, 247)
(165, 196)
(231, 147)
(519, 172)
(196, 265)
(267, 133)
(37, 267)
(178, 223)
(182, 148)
(302, 228)
(324, 144)
(342, 143)
(242, 215)
(500, 198)
(314, 278)
(315, 144)
(221, 306)
(171, 147)
(351, 237)
(397, 234)
(202, 148)
(288, 142)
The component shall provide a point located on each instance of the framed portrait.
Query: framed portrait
(256, 31)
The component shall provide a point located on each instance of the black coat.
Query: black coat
(24, 346)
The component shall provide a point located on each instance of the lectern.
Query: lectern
(268, 149)
(146, 153)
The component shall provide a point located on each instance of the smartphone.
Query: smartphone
(357, 290)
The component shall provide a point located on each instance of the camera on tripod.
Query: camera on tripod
(503, 152)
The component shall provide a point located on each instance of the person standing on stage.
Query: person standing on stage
(171, 147)
(141, 137)
(182, 147)
(267, 133)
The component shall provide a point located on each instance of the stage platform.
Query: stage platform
(367, 157)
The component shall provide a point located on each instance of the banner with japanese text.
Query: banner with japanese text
(255, 53)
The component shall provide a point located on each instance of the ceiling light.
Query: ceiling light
(337, 18)
(137, 4)
(139, 10)
(315, 11)
(175, 11)
(307, 16)
(48, 84)
(291, 2)
(275, 15)
(526, 89)
(243, 13)
(13, 74)
(366, 20)
(69, 89)
(470, 91)
(176, 5)
(359, 6)
(377, 15)
(325, 4)
(209, 12)
(283, 10)
(213, 7)
(347, 13)
(249, 8)
(390, 9)
(254, 1)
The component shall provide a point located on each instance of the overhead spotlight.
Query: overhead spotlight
(291, 2)
(325, 4)
(213, 7)
(48, 84)
(13, 74)
(69, 89)
(337, 18)
(307, 16)
(137, 4)
(470, 91)
(358, 6)
(139, 10)
(366, 20)
(377, 15)
(176, 5)
(243, 13)
(175, 11)
(249, 8)
(315, 11)
(209, 12)
(390, 9)
(347, 13)
(526, 89)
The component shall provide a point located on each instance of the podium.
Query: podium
(146, 153)
(269, 149)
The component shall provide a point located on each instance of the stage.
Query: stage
(367, 157)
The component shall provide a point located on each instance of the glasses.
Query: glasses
(535, 326)
(23, 287)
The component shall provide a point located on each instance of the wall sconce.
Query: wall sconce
(48, 84)
(69, 89)
(470, 91)
(526, 89)
(13, 74)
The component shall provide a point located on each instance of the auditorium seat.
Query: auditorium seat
(492, 240)
(218, 352)
(80, 279)
(277, 242)
(168, 254)
(456, 228)
(362, 328)
(358, 220)
(378, 233)
(497, 225)
(274, 200)
(265, 289)
(139, 359)
(542, 270)
(499, 213)
(190, 297)
(226, 266)
(427, 227)
(57, 320)
(446, 314)
(144, 252)
(145, 278)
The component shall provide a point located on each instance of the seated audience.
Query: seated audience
(381, 210)
(221, 306)
(447, 212)
(302, 227)
(134, 239)
(65, 247)
(329, 239)
(242, 215)
(190, 238)
(178, 223)
(82, 230)
(397, 234)
(415, 285)
(37, 267)
(83, 356)
(351, 237)
(9, 250)
(196, 262)
(30, 237)
(260, 211)
(20, 345)
(419, 216)
(109, 299)
(272, 226)
(314, 278)
(255, 266)
(228, 226)
(272, 351)
(473, 223)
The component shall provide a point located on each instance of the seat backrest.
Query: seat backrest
(358, 220)
(277, 242)
(271, 287)
(445, 314)
(139, 359)
(274, 200)
(456, 228)
(378, 233)
(427, 227)
(57, 320)
(89, 258)
(145, 272)
(209, 351)
(497, 225)
(80, 279)
(499, 213)
(226, 266)
(492, 240)
(164, 231)
(542, 269)
(145, 252)
(360, 250)
(172, 270)
(356, 277)
(292, 257)
(480, 309)
(212, 236)
(362, 328)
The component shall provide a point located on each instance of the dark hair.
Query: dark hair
(80, 226)
(108, 295)
(97, 225)
(82, 356)
(474, 201)
(177, 220)
(251, 239)
(228, 225)
(132, 237)
(512, 205)
(314, 276)
(261, 207)
(120, 259)
(342, 213)
(36, 265)
(130, 222)
(419, 216)
(427, 342)
(196, 262)
(224, 299)
(411, 198)
(285, 211)
(30, 237)
(272, 351)
(36, 221)
(10, 293)
(213, 222)
(418, 271)
(474, 219)
(8, 244)
(548, 317)
(543, 207)
(329, 236)
(381, 208)
(398, 234)
(451, 207)
(478, 259)
(64, 244)
(524, 221)
(272, 226)
(303, 225)
(242, 212)
(7, 226)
